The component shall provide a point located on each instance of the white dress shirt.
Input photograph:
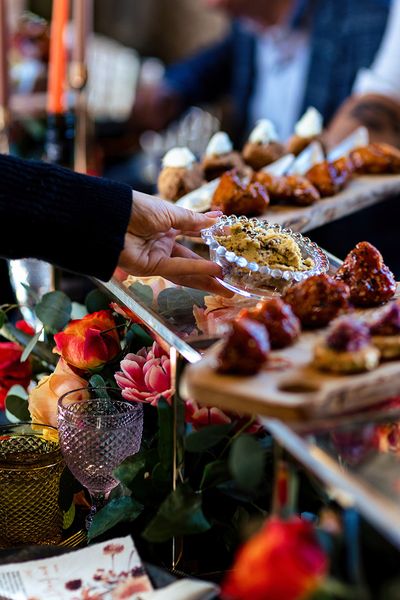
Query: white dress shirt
(282, 61)
(383, 77)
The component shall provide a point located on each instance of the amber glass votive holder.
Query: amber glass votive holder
(30, 469)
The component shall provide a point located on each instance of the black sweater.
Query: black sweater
(74, 221)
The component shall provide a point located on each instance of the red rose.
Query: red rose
(12, 370)
(90, 342)
(282, 562)
(25, 327)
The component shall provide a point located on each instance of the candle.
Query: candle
(83, 16)
(4, 86)
(58, 57)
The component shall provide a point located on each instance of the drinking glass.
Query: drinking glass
(30, 469)
(96, 435)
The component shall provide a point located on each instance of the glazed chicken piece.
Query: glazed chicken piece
(318, 299)
(235, 197)
(375, 159)
(281, 323)
(245, 349)
(290, 189)
(370, 281)
(330, 177)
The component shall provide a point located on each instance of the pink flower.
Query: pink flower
(201, 416)
(145, 376)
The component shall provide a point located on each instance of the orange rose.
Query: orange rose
(282, 562)
(90, 342)
(44, 397)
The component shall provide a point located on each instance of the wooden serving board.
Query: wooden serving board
(358, 194)
(290, 388)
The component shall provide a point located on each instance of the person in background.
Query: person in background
(375, 102)
(280, 57)
(91, 225)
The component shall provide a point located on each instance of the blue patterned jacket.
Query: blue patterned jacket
(345, 35)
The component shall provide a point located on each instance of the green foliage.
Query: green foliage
(117, 510)
(130, 467)
(3, 318)
(177, 303)
(54, 311)
(31, 345)
(214, 474)
(17, 404)
(180, 514)
(206, 438)
(165, 434)
(246, 462)
(144, 293)
(96, 300)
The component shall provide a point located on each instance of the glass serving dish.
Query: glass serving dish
(250, 278)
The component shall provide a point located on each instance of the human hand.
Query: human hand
(151, 247)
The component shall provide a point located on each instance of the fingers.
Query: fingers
(183, 252)
(181, 267)
(189, 222)
(208, 284)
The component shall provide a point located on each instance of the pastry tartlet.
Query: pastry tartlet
(234, 196)
(370, 281)
(318, 300)
(308, 129)
(220, 157)
(180, 174)
(263, 146)
(385, 332)
(347, 348)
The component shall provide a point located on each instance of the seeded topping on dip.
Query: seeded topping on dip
(389, 322)
(266, 247)
(348, 335)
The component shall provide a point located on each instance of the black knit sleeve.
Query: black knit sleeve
(74, 221)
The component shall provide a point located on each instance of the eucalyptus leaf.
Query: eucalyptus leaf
(197, 296)
(96, 300)
(54, 311)
(246, 462)
(17, 407)
(116, 511)
(214, 474)
(3, 318)
(130, 467)
(97, 382)
(41, 350)
(144, 293)
(29, 348)
(180, 514)
(176, 303)
(206, 438)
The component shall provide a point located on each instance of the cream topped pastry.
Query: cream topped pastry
(219, 157)
(347, 348)
(385, 331)
(263, 146)
(310, 124)
(219, 144)
(179, 158)
(180, 174)
(307, 129)
(266, 247)
(264, 132)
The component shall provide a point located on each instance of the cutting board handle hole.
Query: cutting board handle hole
(298, 387)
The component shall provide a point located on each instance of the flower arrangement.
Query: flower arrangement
(222, 463)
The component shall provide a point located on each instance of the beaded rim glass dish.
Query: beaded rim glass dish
(250, 278)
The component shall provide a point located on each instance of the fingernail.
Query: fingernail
(214, 213)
